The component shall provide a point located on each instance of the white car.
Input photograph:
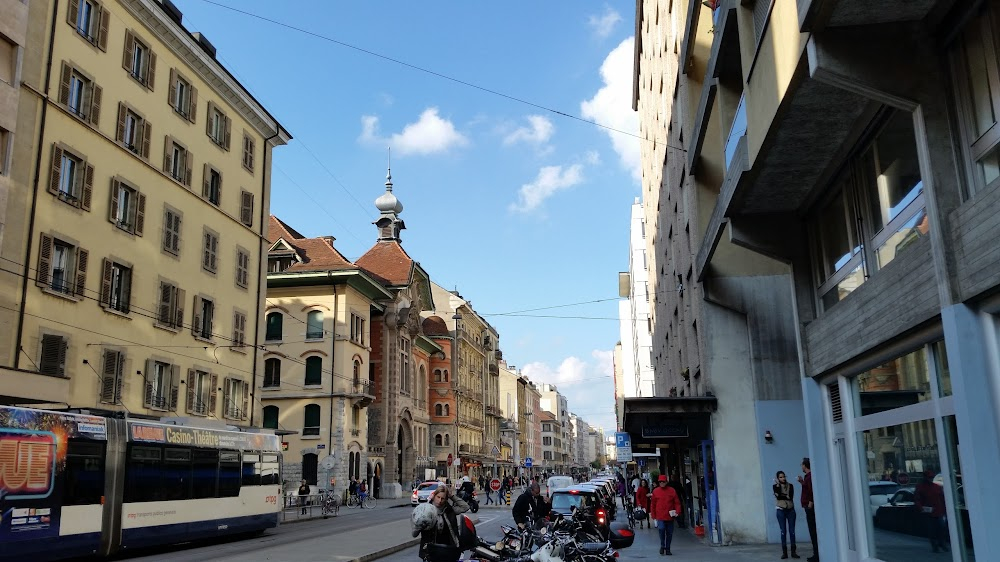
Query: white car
(423, 491)
(879, 493)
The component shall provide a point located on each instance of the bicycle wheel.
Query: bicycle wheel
(369, 503)
(353, 501)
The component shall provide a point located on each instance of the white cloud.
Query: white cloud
(592, 157)
(588, 385)
(604, 24)
(550, 179)
(430, 134)
(538, 133)
(611, 106)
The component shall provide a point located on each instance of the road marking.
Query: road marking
(482, 521)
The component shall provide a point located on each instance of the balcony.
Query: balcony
(362, 393)
(465, 449)
(737, 131)
(816, 14)
(493, 411)
(378, 451)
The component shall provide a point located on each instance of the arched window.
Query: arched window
(356, 416)
(421, 383)
(311, 424)
(350, 465)
(447, 410)
(446, 375)
(357, 465)
(314, 370)
(357, 376)
(438, 441)
(447, 440)
(438, 410)
(272, 372)
(271, 417)
(274, 321)
(314, 325)
(437, 375)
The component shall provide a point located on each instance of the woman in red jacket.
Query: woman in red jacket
(664, 505)
(642, 500)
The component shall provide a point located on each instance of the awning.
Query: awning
(654, 422)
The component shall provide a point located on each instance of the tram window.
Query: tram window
(270, 470)
(205, 470)
(143, 475)
(176, 473)
(251, 469)
(84, 482)
(229, 474)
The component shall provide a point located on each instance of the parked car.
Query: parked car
(422, 493)
(585, 499)
(900, 514)
(879, 493)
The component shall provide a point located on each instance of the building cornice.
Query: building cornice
(186, 47)
(355, 278)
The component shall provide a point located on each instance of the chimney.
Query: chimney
(171, 11)
(204, 43)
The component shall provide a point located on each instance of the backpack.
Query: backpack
(467, 538)
(363, 488)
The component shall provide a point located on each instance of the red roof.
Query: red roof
(387, 261)
(435, 326)
(318, 254)
(278, 229)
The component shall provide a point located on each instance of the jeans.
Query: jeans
(811, 523)
(489, 496)
(666, 529)
(937, 532)
(786, 517)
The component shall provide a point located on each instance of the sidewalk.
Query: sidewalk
(691, 548)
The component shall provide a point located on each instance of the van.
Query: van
(556, 482)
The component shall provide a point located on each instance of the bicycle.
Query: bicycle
(354, 500)
(331, 505)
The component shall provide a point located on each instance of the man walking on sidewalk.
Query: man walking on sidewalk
(664, 506)
(806, 498)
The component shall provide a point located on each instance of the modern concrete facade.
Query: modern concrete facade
(315, 389)
(633, 312)
(137, 187)
(823, 186)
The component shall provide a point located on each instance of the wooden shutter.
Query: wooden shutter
(56, 175)
(168, 155)
(246, 210)
(64, 80)
(113, 207)
(196, 317)
(191, 395)
(44, 261)
(192, 104)
(120, 131)
(213, 395)
(206, 183)
(228, 409)
(176, 236)
(175, 386)
(73, 12)
(82, 256)
(208, 120)
(102, 32)
(147, 131)
(165, 304)
(88, 187)
(214, 252)
(179, 296)
(209, 321)
(238, 323)
(147, 392)
(106, 282)
(129, 51)
(150, 69)
(96, 95)
(109, 377)
(188, 163)
(53, 355)
(244, 413)
(140, 213)
(172, 90)
(228, 133)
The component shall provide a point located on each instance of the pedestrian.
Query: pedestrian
(489, 495)
(303, 495)
(806, 500)
(621, 492)
(530, 508)
(437, 525)
(642, 501)
(784, 494)
(929, 499)
(635, 483)
(362, 492)
(664, 506)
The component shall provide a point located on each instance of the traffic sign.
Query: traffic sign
(457, 461)
(450, 458)
(496, 451)
(328, 462)
(528, 462)
(623, 446)
(495, 484)
(903, 478)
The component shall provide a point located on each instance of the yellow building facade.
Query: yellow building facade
(136, 219)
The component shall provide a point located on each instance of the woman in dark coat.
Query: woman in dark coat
(784, 493)
(439, 533)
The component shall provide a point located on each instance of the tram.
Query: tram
(78, 485)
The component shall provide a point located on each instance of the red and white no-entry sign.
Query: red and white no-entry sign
(495, 484)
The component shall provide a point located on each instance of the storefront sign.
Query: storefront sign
(665, 430)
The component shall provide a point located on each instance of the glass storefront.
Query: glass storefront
(907, 450)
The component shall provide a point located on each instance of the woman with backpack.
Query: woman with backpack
(439, 526)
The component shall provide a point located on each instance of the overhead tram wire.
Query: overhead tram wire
(438, 74)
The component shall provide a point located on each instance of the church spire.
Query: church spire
(389, 224)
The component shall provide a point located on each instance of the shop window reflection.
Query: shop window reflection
(894, 384)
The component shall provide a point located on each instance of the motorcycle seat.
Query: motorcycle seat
(592, 547)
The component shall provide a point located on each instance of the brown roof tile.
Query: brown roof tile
(435, 326)
(318, 254)
(278, 229)
(387, 260)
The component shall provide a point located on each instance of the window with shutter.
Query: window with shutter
(71, 178)
(127, 209)
(248, 152)
(172, 231)
(314, 371)
(239, 330)
(201, 327)
(112, 372)
(90, 20)
(212, 184)
(139, 60)
(52, 355)
(116, 286)
(242, 268)
(210, 249)
(246, 208)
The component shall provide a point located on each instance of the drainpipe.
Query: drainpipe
(34, 190)
(333, 374)
(261, 259)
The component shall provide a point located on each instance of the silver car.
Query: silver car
(423, 491)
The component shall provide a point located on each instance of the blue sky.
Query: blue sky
(515, 206)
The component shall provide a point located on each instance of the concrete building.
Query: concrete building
(633, 312)
(315, 387)
(398, 419)
(136, 180)
(555, 403)
(823, 187)
(551, 444)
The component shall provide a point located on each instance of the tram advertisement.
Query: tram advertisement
(200, 437)
(33, 446)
